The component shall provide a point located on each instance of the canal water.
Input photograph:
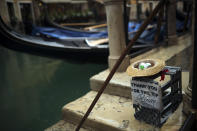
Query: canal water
(33, 89)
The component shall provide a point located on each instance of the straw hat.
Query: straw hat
(155, 66)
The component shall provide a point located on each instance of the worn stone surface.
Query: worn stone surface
(114, 113)
(65, 126)
(166, 53)
(119, 84)
(183, 59)
(187, 108)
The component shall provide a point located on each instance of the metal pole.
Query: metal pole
(159, 24)
(138, 10)
(194, 82)
(171, 14)
(189, 6)
(189, 122)
(125, 52)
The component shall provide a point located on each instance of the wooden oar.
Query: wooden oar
(76, 24)
(95, 26)
(105, 40)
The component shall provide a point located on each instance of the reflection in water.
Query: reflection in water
(34, 89)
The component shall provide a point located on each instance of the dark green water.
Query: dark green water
(33, 89)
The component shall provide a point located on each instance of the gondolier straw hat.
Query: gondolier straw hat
(137, 68)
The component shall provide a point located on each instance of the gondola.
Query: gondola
(52, 45)
(52, 40)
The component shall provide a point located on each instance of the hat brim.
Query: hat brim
(157, 66)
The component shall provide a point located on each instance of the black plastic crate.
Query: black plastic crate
(166, 101)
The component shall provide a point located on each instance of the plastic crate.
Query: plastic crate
(154, 103)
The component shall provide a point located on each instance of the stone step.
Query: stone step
(114, 113)
(119, 84)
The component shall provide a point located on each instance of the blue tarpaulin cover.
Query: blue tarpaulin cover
(65, 34)
(147, 35)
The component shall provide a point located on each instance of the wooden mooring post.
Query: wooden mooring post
(171, 22)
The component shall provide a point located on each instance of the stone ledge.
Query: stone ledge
(119, 84)
(174, 55)
(167, 52)
(114, 113)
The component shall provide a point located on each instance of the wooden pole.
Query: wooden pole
(125, 52)
(171, 14)
(189, 7)
(159, 24)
